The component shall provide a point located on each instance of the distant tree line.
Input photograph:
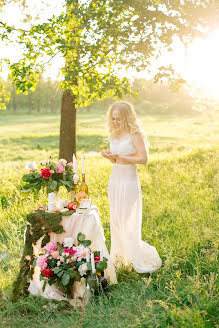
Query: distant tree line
(45, 98)
(157, 98)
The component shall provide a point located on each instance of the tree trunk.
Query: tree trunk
(67, 143)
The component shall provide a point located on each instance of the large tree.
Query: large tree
(97, 38)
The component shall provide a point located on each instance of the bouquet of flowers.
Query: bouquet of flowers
(66, 263)
(51, 175)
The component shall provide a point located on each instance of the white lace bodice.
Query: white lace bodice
(123, 146)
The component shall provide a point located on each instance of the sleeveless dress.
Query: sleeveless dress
(125, 200)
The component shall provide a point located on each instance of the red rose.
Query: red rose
(47, 273)
(45, 173)
(97, 259)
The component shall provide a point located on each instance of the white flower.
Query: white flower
(31, 165)
(73, 258)
(68, 261)
(62, 259)
(66, 254)
(75, 178)
(58, 263)
(63, 161)
(83, 269)
(68, 242)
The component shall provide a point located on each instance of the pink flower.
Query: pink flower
(50, 247)
(42, 262)
(52, 171)
(60, 168)
(71, 251)
(55, 254)
(70, 164)
(80, 252)
(63, 161)
(42, 208)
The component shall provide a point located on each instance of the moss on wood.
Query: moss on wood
(40, 224)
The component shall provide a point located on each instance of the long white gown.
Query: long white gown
(125, 200)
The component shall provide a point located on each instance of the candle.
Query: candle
(101, 254)
(82, 162)
(92, 263)
(87, 255)
(74, 164)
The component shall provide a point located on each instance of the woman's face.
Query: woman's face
(116, 119)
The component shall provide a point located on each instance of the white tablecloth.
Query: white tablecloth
(90, 225)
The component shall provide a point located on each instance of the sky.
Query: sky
(198, 64)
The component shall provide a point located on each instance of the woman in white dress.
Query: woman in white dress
(127, 148)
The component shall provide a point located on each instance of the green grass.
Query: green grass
(179, 218)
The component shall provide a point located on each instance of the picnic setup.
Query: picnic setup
(64, 256)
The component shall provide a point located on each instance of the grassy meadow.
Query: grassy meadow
(179, 219)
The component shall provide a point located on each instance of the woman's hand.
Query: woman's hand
(107, 154)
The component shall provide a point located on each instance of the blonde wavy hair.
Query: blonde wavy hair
(129, 122)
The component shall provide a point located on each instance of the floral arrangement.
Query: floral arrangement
(51, 175)
(66, 263)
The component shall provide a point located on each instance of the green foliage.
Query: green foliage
(97, 38)
(180, 206)
(4, 95)
(81, 240)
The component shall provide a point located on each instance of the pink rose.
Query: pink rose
(63, 161)
(50, 247)
(55, 254)
(42, 262)
(70, 164)
(81, 252)
(60, 168)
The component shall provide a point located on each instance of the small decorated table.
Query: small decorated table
(43, 227)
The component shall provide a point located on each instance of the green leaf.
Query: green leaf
(56, 270)
(101, 266)
(59, 274)
(89, 266)
(80, 237)
(65, 279)
(81, 240)
(85, 243)
(53, 185)
(71, 272)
